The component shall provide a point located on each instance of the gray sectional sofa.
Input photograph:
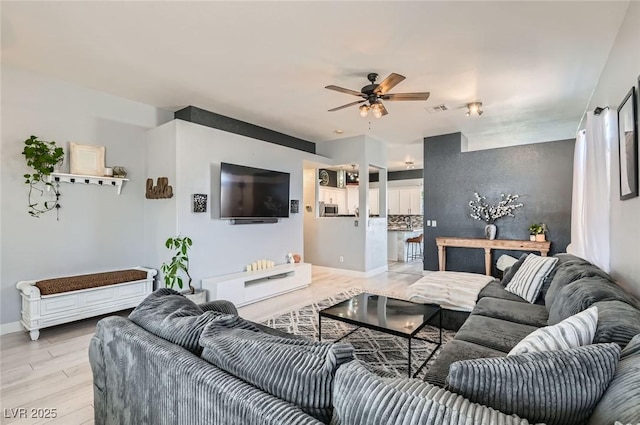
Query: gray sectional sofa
(172, 362)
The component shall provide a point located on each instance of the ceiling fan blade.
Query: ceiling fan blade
(343, 90)
(347, 105)
(383, 109)
(406, 96)
(390, 82)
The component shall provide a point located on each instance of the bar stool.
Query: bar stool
(414, 247)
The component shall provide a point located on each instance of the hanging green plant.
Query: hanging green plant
(41, 157)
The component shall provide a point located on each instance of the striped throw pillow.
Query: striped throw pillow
(551, 387)
(528, 280)
(575, 331)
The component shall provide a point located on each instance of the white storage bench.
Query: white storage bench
(66, 299)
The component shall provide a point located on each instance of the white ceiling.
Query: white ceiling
(534, 65)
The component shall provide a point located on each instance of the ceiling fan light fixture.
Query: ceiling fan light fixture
(364, 111)
(474, 108)
(377, 110)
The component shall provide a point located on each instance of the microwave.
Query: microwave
(328, 210)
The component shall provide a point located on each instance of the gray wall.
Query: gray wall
(621, 72)
(98, 229)
(540, 173)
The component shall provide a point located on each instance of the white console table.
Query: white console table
(248, 287)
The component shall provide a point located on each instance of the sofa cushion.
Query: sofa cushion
(528, 280)
(564, 260)
(496, 290)
(621, 400)
(553, 387)
(454, 351)
(513, 311)
(581, 294)
(617, 322)
(575, 331)
(363, 398)
(171, 316)
(493, 333)
(569, 272)
(298, 371)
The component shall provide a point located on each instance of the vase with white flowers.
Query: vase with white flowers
(489, 213)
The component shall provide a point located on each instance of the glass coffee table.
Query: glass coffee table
(389, 315)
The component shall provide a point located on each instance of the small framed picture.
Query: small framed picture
(86, 160)
(628, 145)
(295, 206)
(199, 203)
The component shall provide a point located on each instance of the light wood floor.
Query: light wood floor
(54, 373)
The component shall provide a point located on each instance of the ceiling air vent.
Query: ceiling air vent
(437, 108)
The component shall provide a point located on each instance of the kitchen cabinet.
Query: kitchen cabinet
(405, 200)
(374, 201)
(334, 195)
(353, 199)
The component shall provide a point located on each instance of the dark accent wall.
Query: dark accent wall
(232, 125)
(541, 174)
(398, 175)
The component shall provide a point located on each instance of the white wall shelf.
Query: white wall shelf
(248, 287)
(79, 178)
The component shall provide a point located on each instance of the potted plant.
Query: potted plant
(43, 157)
(537, 232)
(178, 265)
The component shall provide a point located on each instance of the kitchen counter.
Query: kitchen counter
(396, 246)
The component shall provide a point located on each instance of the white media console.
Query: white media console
(248, 287)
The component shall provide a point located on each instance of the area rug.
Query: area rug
(382, 351)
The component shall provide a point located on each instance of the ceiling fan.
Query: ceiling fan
(373, 94)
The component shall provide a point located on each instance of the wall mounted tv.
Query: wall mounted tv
(247, 192)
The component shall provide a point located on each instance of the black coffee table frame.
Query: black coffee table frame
(408, 336)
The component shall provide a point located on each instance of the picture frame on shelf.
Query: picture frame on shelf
(628, 145)
(87, 160)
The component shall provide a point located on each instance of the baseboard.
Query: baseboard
(353, 273)
(9, 328)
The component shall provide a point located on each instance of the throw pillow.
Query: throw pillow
(171, 316)
(552, 387)
(361, 397)
(295, 370)
(511, 271)
(575, 331)
(621, 400)
(528, 280)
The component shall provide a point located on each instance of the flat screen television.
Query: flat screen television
(247, 192)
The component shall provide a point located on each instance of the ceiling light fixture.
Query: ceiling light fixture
(473, 108)
(410, 165)
(364, 111)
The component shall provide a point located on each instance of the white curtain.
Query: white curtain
(590, 203)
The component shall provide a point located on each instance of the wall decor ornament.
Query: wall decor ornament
(86, 160)
(628, 145)
(295, 206)
(489, 213)
(161, 191)
(199, 203)
(119, 172)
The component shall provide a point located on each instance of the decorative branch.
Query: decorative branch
(481, 210)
